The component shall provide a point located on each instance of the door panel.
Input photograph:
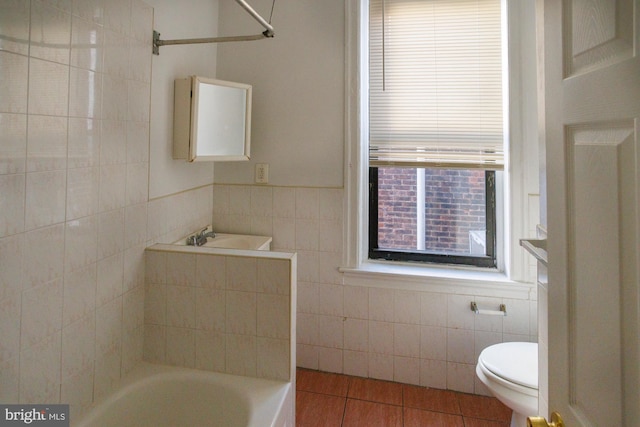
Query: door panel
(600, 33)
(594, 190)
(590, 75)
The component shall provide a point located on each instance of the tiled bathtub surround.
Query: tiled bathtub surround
(422, 337)
(75, 79)
(74, 119)
(215, 310)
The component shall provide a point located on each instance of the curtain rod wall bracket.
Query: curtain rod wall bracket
(157, 42)
(268, 33)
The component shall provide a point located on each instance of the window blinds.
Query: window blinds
(436, 84)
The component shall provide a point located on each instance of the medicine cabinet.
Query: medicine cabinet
(211, 120)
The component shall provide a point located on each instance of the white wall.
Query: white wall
(74, 214)
(178, 20)
(298, 90)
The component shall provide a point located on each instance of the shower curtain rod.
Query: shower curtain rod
(267, 33)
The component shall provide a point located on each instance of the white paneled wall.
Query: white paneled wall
(75, 80)
(386, 332)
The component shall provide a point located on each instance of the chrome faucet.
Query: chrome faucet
(200, 238)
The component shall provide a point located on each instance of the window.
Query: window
(435, 129)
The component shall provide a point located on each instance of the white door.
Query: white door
(591, 124)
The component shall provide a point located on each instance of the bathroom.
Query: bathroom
(88, 182)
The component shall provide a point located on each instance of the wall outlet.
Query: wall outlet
(262, 173)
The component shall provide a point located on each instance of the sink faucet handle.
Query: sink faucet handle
(204, 230)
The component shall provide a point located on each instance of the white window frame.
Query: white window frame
(520, 178)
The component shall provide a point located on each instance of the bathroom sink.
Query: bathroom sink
(235, 241)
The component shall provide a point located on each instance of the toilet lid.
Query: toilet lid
(516, 362)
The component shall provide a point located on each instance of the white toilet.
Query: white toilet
(510, 372)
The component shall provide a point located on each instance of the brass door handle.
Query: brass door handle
(556, 421)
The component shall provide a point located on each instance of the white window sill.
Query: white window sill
(433, 278)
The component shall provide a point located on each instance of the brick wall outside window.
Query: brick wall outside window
(454, 206)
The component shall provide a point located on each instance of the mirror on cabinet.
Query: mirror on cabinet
(211, 120)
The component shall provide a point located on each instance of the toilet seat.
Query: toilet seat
(513, 362)
(510, 372)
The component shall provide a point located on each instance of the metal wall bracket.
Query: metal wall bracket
(157, 42)
(501, 311)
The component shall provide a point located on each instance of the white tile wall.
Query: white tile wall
(230, 314)
(419, 337)
(74, 214)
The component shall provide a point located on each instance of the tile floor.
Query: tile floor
(333, 400)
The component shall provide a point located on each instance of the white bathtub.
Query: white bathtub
(158, 395)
